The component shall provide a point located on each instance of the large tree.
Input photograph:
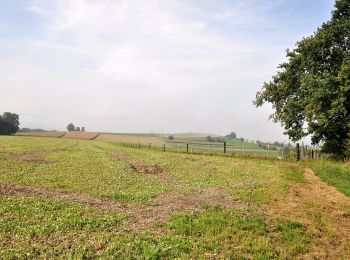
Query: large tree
(311, 92)
(9, 123)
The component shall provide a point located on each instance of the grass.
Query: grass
(31, 228)
(334, 173)
(36, 227)
(81, 167)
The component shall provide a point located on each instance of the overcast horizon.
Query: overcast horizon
(148, 66)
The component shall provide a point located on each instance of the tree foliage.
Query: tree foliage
(311, 92)
(9, 123)
(232, 135)
(70, 127)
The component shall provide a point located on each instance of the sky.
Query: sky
(160, 66)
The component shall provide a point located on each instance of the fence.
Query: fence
(212, 148)
(307, 152)
(299, 152)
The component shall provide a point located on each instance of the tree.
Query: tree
(77, 128)
(9, 123)
(311, 92)
(209, 138)
(171, 137)
(70, 127)
(232, 135)
(83, 129)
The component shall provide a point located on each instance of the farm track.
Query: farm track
(322, 207)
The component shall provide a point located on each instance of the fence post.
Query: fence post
(139, 145)
(187, 148)
(164, 147)
(224, 147)
(149, 145)
(298, 152)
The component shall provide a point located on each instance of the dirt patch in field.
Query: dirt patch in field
(166, 204)
(151, 171)
(323, 209)
(38, 157)
(162, 207)
(138, 165)
(140, 216)
(34, 157)
(19, 190)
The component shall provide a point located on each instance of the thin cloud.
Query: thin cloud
(124, 65)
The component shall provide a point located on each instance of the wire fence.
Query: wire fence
(298, 152)
(212, 148)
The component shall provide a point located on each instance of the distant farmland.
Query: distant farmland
(190, 143)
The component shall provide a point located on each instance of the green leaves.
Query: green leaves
(310, 93)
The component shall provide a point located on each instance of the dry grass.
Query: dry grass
(323, 209)
(129, 139)
(80, 135)
(54, 134)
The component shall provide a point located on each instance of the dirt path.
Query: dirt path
(324, 210)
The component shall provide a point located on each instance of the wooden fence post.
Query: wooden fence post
(224, 147)
(298, 152)
(187, 148)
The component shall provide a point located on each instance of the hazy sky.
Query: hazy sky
(148, 65)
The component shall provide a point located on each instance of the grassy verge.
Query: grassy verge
(334, 173)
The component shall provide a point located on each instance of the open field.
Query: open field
(62, 198)
(80, 135)
(56, 134)
(137, 139)
(229, 141)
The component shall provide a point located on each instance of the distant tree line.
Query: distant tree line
(9, 123)
(271, 146)
(26, 129)
(72, 127)
(212, 139)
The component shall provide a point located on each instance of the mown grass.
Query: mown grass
(40, 228)
(32, 228)
(79, 168)
(334, 173)
(255, 181)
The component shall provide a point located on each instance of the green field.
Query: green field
(64, 198)
(229, 141)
